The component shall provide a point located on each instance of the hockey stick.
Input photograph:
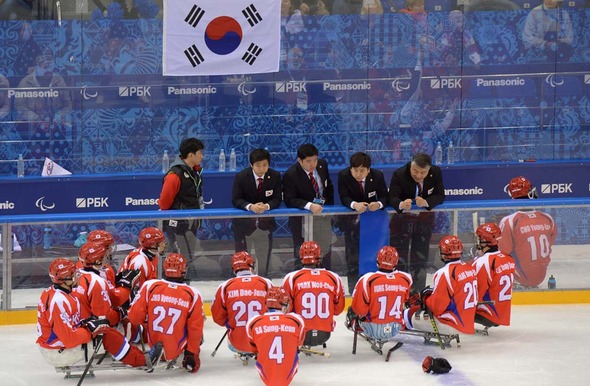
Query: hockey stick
(310, 351)
(391, 350)
(435, 328)
(356, 335)
(89, 364)
(219, 344)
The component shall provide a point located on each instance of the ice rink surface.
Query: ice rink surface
(546, 345)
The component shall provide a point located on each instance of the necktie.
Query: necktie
(314, 183)
(259, 187)
(361, 188)
(420, 190)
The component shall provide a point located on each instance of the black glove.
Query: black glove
(127, 278)
(95, 325)
(413, 300)
(191, 362)
(122, 312)
(436, 365)
(425, 294)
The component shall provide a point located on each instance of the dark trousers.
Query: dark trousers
(410, 234)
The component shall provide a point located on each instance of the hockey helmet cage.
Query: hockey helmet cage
(174, 266)
(488, 234)
(310, 253)
(520, 187)
(241, 261)
(387, 258)
(92, 254)
(451, 248)
(62, 269)
(150, 238)
(276, 298)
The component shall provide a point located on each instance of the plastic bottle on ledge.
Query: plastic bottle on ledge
(20, 166)
(438, 154)
(232, 160)
(551, 283)
(222, 160)
(451, 153)
(165, 162)
(47, 237)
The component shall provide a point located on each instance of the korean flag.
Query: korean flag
(221, 37)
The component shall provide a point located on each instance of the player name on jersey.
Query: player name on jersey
(314, 284)
(465, 274)
(245, 292)
(505, 267)
(274, 329)
(169, 299)
(390, 288)
(535, 227)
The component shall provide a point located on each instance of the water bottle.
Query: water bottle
(165, 162)
(451, 153)
(551, 283)
(222, 160)
(47, 237)
(20, 166)
(438, 154)
(232, 160)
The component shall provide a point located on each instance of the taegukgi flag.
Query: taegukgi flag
(221, 37)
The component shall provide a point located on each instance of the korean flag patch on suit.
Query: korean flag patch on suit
(221, 37)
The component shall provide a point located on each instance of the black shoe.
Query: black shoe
(155, 354)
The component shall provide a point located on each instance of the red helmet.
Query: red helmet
(61, 269)
(101, 237)
(451, 248)
(520, 187)
(92, 254)
(174, 266)
(387, 258)
(241, 261)
(151, 237)
(488, 233)
(310, 253)
(276, 298)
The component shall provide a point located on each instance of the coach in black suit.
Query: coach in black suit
(310, 194)
(361, 189)
(421, 183)
(256, 189)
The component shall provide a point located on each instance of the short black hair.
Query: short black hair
(259, 155)
(422, 160)
(306, 150)
(190, 145)
(359, 159)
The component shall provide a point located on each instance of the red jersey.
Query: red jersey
(317, 295)
(106, 272)
(380, 296)
(94, 294)
(276, 337)
(454, 296)
(58, 319)
(495, 276)
(137, 259)
(173, 313)
(238, 300)
(528, 237)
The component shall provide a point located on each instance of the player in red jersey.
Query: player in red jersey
(276, 336)
(527, 235)
(452, 299)
(239, 299)
(96, 295)
(495, 277)
(63, 334)
(378, 298)
(104, 238)
(173, 312)
(316, 294)
(145, 258)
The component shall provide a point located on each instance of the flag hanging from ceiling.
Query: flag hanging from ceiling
(221, 37)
